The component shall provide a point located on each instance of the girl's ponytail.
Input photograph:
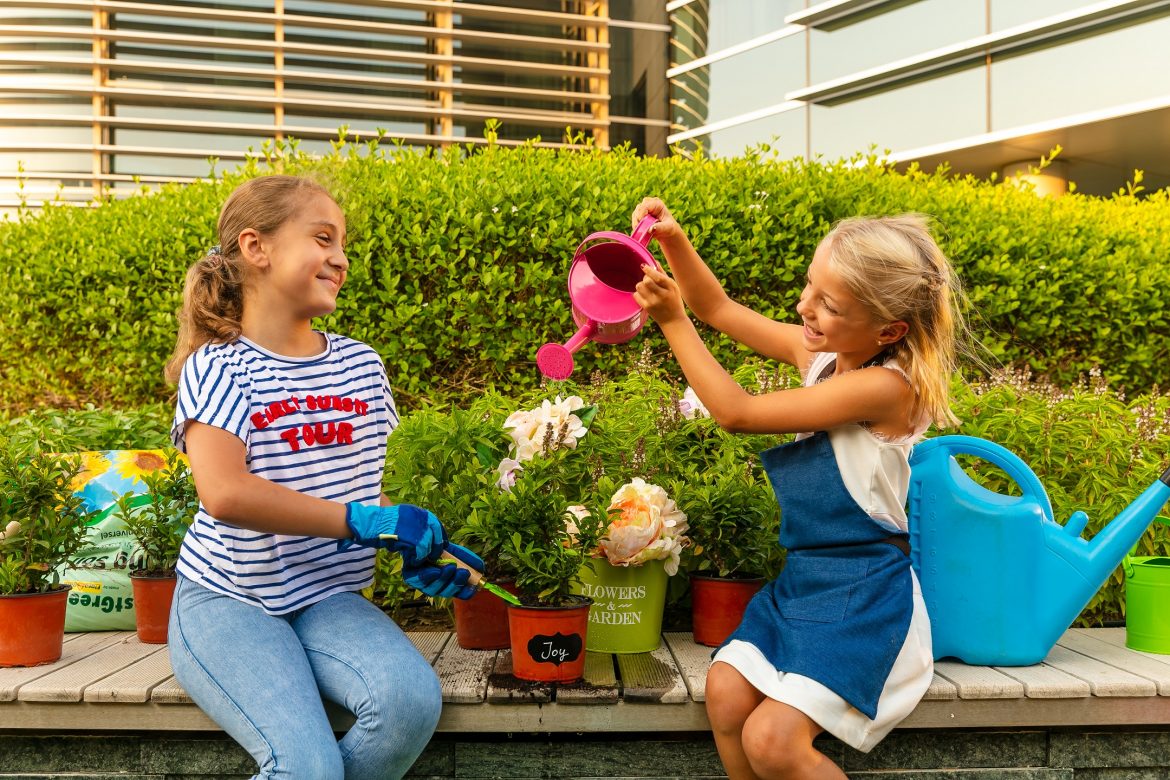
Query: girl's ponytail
(213, 305)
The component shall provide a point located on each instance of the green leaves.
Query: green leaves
(459, 262)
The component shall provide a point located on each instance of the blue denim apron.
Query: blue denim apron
(840, 610)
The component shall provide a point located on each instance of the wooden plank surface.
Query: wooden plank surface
(430, 643)
(979, 682)
(1103, 679)
(941, 689)
(79, 646)
(693, 661)
(1108, 645)
(463, 674)
(1090, 677)
(68, 684)
(1042, 681)
(651, 677)
(598, 686)
(169, 692)
(503, 688)
(134, 683)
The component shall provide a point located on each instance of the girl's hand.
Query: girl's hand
(660, 296)
(665, 228)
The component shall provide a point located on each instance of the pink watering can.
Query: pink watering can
(606, 269)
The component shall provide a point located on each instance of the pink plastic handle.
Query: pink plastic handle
(583, 334)
(641, 233)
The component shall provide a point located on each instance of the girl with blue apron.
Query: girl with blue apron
(842, 633)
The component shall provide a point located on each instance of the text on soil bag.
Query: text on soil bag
(557, 649)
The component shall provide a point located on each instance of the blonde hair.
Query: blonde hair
(894, 267)
(213, 291)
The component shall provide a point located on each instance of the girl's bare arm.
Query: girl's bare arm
(232, 494)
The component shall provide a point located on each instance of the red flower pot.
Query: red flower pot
(152, 606)
(32, 627)
(717, 606)
(548, 643)
(481, 622)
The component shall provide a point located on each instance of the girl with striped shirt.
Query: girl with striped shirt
(285, 427)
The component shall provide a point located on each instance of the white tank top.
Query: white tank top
(875, 470)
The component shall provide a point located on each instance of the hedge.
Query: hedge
(459, 261)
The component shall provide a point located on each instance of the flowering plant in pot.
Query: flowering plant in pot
(42, 524)
(643, 536)
(158, 520)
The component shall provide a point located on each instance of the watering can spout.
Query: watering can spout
(1107, 548)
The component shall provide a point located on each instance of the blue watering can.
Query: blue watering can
(1002, 580)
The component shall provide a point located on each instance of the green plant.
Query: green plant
(42, 521)
(159, 518)
(1056, 284)
(526, 528)
(734, 520)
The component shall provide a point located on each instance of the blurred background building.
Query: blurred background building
(102, 95)
(987, 86)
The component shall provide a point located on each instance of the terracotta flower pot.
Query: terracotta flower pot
(32, 627)
(717, 606)
(152, 606)
(548, 643)
(481, 622)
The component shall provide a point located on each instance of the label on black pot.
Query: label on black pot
(556, 649)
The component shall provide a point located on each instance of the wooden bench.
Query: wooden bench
(1089, 679)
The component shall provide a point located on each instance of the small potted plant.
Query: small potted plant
(734, 529)
(548, 631)
(158, 520)
(42, 524)
(533, 436)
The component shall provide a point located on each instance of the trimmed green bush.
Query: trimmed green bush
(459, 261)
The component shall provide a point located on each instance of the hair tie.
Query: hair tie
(214, 250)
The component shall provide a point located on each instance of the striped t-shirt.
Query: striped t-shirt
(315, 424)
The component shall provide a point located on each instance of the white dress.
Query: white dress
(876, 472)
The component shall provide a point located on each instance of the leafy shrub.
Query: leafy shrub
(459, 261)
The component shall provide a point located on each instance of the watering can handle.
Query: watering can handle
(641, 233)
(993, 453)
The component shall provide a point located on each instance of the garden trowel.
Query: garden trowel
(475, 577)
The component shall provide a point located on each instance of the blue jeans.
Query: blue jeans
(262, 679)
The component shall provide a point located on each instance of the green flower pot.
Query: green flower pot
(1147, 604)
(626, 616)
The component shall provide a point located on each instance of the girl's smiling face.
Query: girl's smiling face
(307, 262)
(834, 320)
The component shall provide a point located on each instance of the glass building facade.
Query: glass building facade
(982, 85)
(104, 96)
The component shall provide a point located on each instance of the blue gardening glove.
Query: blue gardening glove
(447, 580)
(420, 534)
(465, 555)
(440, 580)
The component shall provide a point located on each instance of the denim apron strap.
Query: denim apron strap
(840, 610)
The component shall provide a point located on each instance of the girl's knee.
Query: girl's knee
(730, 699)
(773, 750)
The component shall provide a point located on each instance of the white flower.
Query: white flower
(507, 471)
(691, 406)
(529, 429)
(645, 525)
(572, 515)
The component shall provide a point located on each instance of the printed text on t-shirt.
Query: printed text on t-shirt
(312, 434)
